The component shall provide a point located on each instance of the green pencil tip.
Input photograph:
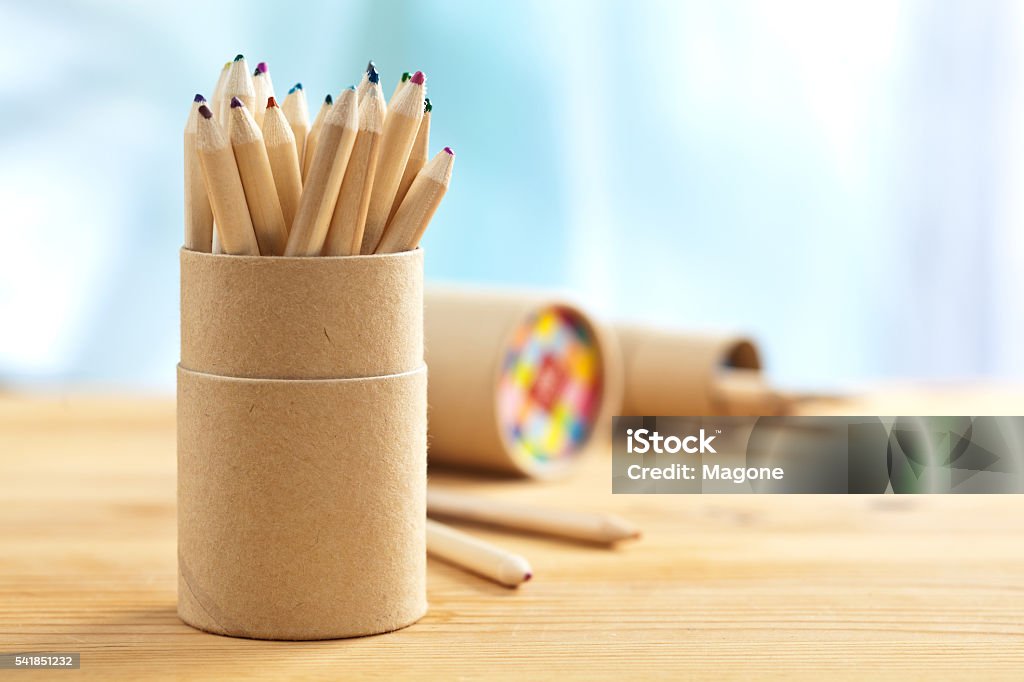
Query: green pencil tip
(239, 57)
(427, 106)
(406, 76)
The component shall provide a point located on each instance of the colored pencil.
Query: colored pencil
(296, 110)
(257, 180)
(284, 162)
(218, 91)
(345, 236)
(224, 187)
(598, 528)
(465, 551)
(198, 214)
(238, 84)
(314, 135)
(417, 159)
(400, 128)
(364, 82)
(399, 85)
(326, 172)
(263, 86)
(413, 216)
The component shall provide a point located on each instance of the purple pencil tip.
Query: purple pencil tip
(448, 150)
(418, 78)
(235, 103)
(261, 67)
(205, 112)
(199, 98)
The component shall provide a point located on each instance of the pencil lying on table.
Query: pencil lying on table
(490, 561)
(601, 528)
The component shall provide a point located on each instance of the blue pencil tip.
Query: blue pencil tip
(199, 98)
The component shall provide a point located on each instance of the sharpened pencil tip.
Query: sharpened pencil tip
(261, 68)
(239, 57)
(418, 78)
(427, 106)
(448, 150)
(328, 100)
(199, 98)
(205, 112)
(298, 86)
(406, 76)
(370, 66)
(271, 102)
(527, 577)
(235, 103)
(351, 87)
(371, 74)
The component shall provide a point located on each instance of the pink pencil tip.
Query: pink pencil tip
(448, 150)
(262, 67)
(418, 78)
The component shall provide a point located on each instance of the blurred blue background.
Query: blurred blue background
(839, 179)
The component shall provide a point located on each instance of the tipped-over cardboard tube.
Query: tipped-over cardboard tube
(468, 334)
(672, 373)
(301, 445)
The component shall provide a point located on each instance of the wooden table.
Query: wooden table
(720, 587)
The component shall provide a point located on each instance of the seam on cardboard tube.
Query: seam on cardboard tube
(207, 607)
(422, 368)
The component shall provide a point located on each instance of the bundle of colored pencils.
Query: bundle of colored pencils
(261, 180)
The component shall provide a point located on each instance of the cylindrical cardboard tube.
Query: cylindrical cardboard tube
(301, 445)
(301, 505)
(672, 373)
(302, 318)
(469, 337)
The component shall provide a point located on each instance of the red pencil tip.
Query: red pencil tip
(527, 577)
(271, 102)
(418, 78)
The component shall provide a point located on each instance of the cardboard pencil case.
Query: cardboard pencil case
(301, 445)
(673, 373)
(520, 383)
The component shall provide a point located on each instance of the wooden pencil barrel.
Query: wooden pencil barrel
(301, 445)
(470, 335)
(669, 373)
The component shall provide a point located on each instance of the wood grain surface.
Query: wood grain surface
(744, 587)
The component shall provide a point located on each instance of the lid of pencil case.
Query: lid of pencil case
(551, 387)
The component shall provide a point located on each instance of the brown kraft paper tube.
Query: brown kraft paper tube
(671, 373)
(301, 445)
(468, 334)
